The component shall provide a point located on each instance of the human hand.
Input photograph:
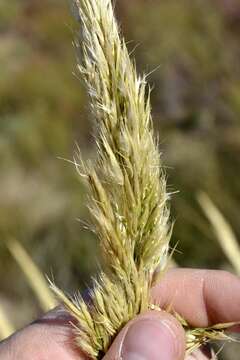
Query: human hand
(202, 297)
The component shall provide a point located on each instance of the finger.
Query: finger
(153, 335)
(50, 337)
(202, 297)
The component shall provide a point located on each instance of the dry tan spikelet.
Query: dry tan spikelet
(196, 337)
(127, 183)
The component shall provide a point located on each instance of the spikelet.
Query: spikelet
(127, 185)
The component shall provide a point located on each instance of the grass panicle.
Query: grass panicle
(127, 184)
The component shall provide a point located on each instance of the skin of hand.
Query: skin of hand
(202, 297)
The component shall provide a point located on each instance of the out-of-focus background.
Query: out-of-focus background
(193, 45)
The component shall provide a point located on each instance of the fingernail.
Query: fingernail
(150, 339)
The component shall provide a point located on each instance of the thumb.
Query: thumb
(151, 336)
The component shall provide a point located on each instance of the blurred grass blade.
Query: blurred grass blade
(6, 328)
(222, 229)
(35, 278)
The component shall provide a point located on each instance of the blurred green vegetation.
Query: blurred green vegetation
(43, 113)
(194, 47)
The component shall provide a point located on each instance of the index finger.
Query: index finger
(202, 297)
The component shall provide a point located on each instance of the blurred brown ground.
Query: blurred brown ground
(43, 112)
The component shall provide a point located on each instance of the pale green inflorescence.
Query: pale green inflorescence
(127, 183)
(127, 187)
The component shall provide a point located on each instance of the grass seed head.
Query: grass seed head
(127, 185)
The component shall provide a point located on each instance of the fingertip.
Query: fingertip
(153, 335)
